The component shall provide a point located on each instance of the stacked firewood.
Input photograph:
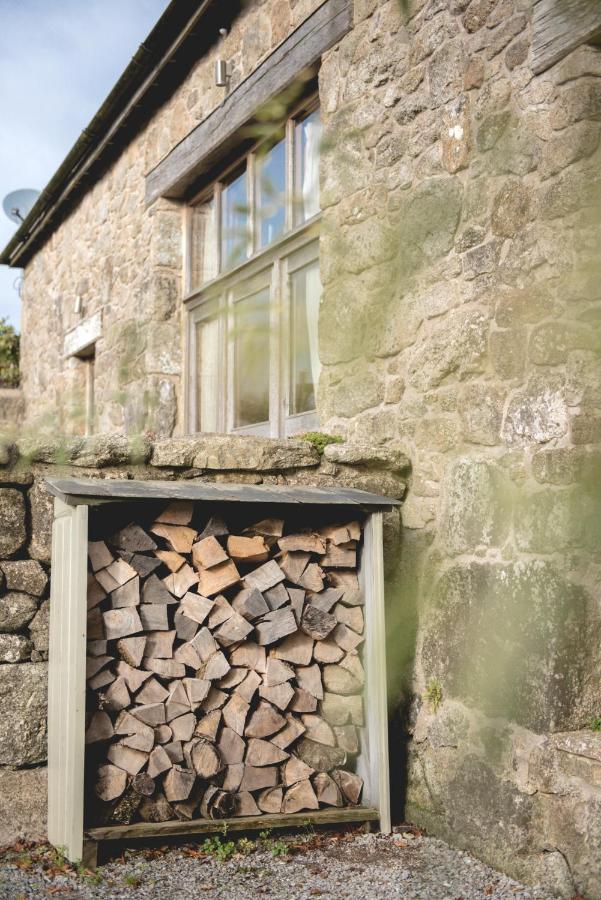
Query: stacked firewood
(223, 669)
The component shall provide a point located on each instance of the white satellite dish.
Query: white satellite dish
(17, 204)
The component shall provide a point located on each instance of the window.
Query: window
(253, 289)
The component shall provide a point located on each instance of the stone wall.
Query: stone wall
(25, 549)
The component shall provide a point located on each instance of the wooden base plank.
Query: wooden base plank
(174, 828)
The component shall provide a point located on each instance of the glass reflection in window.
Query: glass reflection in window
(251, 360)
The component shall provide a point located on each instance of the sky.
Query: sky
(58, 61)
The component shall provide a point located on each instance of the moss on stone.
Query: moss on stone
(320, 440)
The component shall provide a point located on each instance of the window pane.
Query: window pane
(305, 291)
(203, 244)
(234, 222)
(271, 191)
(251, 360)
(208, 364)
(307, 137)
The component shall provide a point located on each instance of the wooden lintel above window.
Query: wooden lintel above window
(559, 26)
(224, 128)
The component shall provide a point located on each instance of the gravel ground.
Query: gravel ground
(356, 866)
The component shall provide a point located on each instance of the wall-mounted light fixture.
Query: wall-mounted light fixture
(221, 73)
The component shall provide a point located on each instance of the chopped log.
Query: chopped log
(300, 796)
(185, 628)
(162, 734)
(196, 689)
(231, 746)
(250, 603)
(159, 644)
(280, 694)
(347, 580)
(152, 692)
(247, 549)
(278, 671)
(119, 572)
(187, 655)
(309, 679)
(126, 808)
(235, 712)
(95, 663)
(214, 700)
(297, 602)
(116, 697)
(245, 805)
(249, 654)
(150, 713)
(275, 626)
(326, 599)
(179, 537)
(341, 534)
(328, 651)
(270, 800)
(306, 541)
(127, 594)
(183, 727)
(174, 751)
(319, 756)
(177, 692)
(342, 556)
(128, 724)
(297, 648)
(111, 783)
(265, 577)
(119, 623)
(100, 728)
(143, 784)
(293, 730)
(95, 625)
(154, 617)
(99, 554)
(133, 539)
(208, 726)
(196, 607)
(204, 643)
(177, 583)
(134, 678)
(143, 740)
(248, 688)
(326, 790)
(352, 616)
(215, 667)
(155, 809)
(218, 578)
(264, 722)
(178, 784)
(144, 565)
(233, 678)
(350, 784)
(126, 758)
(154, 591)
(317, 624)
(101, 680)
(95, 594)
(353, 664)
(221, 804)
(215, 527)
(267, 528)
(165, 668)
(235, 629)
(302, 701)
(173, 710)
(131, 650)
(276, 596)
(339, 710)
(340, 681)
(296, 770)
(186, 808)
(347, 738)
(208, 553)
(263, 753)
(178, 512)
(293, 565)
(98, 648)
(312, 578)
(158, 762)
(221, 612)
(319, 730)
(233, 777)
(257, 777)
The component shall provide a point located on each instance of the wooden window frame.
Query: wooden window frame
(218, 296)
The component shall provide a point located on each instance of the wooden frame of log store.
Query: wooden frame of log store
(217, 657)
